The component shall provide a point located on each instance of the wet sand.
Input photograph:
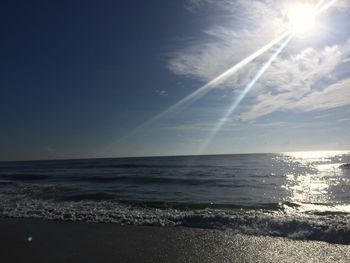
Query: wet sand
(29, 241)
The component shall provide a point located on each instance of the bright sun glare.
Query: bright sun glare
(302, 17)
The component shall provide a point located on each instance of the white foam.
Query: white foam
(277, 223)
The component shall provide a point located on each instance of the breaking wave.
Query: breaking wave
(284, 220)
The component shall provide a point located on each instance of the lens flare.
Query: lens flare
(244, 93)
(220, 79)
(302, 17)
(206, 88)
(325, 7)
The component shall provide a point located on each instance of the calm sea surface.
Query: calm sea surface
(302, 195)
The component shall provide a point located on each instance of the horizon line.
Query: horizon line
(165, 156)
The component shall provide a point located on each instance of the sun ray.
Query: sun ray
(221, 78)
(207, 87)
(318, 10)
(244, 93)
(325, 7)
(320, 7)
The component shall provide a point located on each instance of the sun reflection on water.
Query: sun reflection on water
(324, 188)
(316, 156)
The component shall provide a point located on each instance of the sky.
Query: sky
(86, 79)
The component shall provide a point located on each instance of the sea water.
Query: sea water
(304, 195)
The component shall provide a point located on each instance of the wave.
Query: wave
(333, 228)
(5, 183)
(135, 166)
(147, 179)
(97, 163)
(24, 177)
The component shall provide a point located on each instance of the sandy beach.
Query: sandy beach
(25, 240)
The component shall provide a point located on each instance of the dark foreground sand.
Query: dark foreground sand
(86, 242)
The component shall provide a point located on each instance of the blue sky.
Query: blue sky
(83, 79)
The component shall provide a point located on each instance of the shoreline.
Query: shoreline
(35, 240)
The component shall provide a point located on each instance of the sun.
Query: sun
(302, 17)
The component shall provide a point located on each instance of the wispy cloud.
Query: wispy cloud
(227, 44)
(162, 93)
(300, 80)
(304, 82)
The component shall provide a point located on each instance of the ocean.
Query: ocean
(304, 195)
